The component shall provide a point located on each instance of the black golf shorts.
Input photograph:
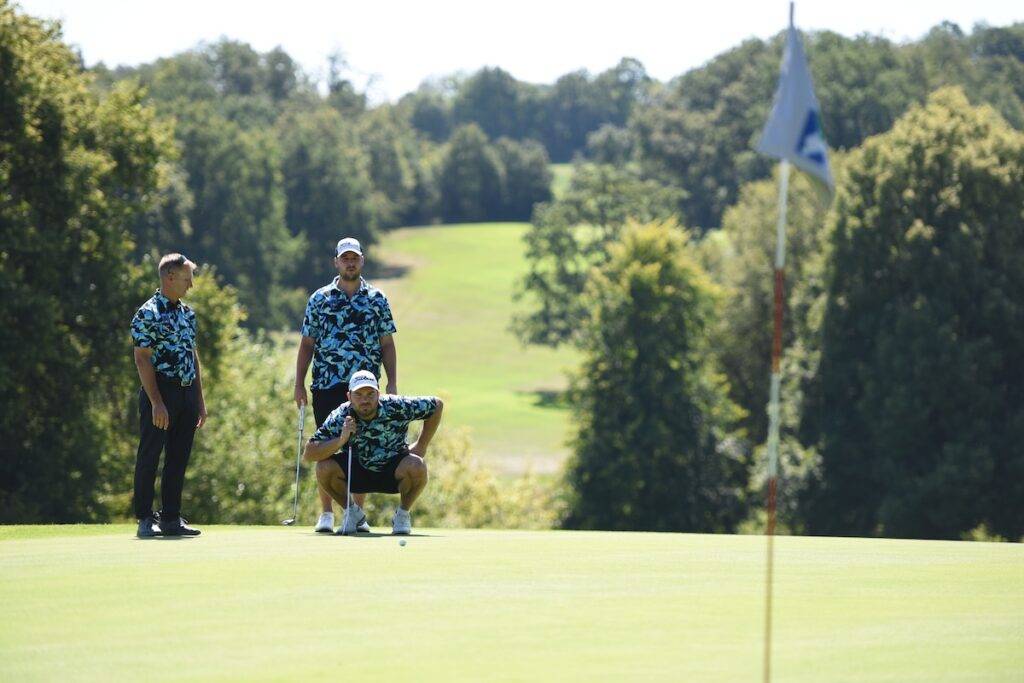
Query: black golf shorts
(368, 481)
(326, 400)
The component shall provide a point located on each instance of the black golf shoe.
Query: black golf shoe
(179, 527)
(148, 528)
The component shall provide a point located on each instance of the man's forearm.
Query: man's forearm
(302, 361)
(389, 357)
(147, 375)
(321, 450)
(199, 376)
(430, 426)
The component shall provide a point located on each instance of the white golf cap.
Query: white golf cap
(348, 244)
(362, 378)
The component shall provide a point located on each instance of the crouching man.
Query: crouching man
(375, 427)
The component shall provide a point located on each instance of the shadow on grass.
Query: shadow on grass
(547, 398)
(385, 535)
(386, 271)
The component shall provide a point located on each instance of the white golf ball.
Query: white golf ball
(401, 542)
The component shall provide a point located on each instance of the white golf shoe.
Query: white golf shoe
(401, 523)
(325, 524)
(351, 522)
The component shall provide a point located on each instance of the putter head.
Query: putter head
(289, 522)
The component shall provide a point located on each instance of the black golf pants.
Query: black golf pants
(176, 443)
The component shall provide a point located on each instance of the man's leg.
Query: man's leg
(147, 458)
(325, 401)
(184, 414)
(412, 478)
(330, 477)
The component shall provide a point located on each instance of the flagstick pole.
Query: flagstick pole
(773, 408)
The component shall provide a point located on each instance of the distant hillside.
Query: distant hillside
(451, 292)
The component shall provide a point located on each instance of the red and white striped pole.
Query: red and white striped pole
(773, 408)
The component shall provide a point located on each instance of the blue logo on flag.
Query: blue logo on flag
(811, 144)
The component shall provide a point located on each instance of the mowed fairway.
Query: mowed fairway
(265, 603)
(453, 304)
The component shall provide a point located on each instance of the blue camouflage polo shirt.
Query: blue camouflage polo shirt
(170, 331)
(382, 438)
(346, 331)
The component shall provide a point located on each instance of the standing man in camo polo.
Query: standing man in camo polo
(348, 327)
(171, 404)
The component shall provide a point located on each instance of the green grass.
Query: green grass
(453, 306)
(266, 603)
(561, 175)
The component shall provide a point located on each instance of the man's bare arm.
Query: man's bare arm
(302, 360)
(430, 426)
(389, 356)
(147, 375)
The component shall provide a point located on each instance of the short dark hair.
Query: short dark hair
(170, 263)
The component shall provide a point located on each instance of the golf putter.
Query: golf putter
(298, 463)
(348, 493)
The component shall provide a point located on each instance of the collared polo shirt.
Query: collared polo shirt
(168, 329)
(346, 331)
(381, 439)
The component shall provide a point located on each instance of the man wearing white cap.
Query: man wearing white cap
(375, 428)
(348, 327)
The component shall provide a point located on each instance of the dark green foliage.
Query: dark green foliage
(238, 219)
(471, 178)
(429, 113)
(74, 172)
(918, 402)
(527, 178)
(559, 116)
(571, 235)
(327, 187)
(579, 104)
(611, 145)
(700, 135)
(652, 449)
(342, 93)
(741, 258)
(480, 181)
(493, 100)
(393, 155)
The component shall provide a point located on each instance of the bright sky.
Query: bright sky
(392, 46)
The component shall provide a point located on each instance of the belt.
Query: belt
(175, 381)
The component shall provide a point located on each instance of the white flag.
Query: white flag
(793, 130)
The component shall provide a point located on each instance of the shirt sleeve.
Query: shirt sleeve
(332, 426)
(144, 329)
(311, 320)
(387, 321)
(415, 407)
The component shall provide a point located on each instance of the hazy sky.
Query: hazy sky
(393, 46)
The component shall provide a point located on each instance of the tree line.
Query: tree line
(903, 399)
(902, 395)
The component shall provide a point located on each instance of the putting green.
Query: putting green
(262, 603)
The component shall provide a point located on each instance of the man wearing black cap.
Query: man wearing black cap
(348, 327)
(171, 404)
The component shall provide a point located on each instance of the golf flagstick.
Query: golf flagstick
(298, 464)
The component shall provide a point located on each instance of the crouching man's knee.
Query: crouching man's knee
(413, 467)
